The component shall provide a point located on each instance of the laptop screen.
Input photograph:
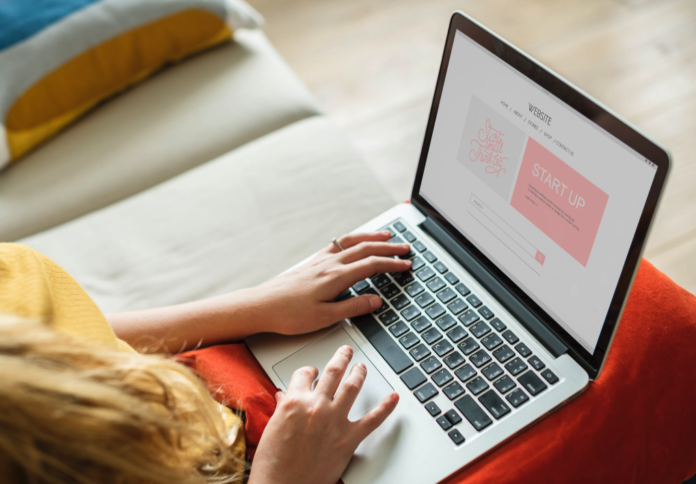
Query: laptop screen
(548, 196)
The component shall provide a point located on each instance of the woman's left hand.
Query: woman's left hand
(302, 300)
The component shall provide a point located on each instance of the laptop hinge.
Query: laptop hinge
(526, 317)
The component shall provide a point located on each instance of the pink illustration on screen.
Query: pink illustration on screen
(488, 148)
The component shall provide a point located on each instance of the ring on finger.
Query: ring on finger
(337, 244)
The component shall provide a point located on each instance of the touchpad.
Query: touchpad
(319, 352)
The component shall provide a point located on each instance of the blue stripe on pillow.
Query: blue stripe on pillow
(20, 19)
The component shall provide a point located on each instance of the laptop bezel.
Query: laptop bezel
(594, 112)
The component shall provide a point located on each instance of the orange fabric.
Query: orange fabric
(636, 423)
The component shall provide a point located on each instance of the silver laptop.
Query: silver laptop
(529, 212)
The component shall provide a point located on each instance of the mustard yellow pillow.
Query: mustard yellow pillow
(60, 58)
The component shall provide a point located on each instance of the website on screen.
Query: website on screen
(548, 196)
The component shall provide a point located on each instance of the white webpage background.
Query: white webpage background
(576, 297)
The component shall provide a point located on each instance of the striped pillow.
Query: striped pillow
(60, 58)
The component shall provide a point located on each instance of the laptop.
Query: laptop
(529, 212)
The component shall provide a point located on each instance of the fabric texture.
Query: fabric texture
(635, 424)
(185, 116)
(82, 52)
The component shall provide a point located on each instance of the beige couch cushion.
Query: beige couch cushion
(230, 223)
(187, 115)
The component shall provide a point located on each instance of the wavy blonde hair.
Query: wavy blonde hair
(79, 414)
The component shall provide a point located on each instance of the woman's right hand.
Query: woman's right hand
(309, 439)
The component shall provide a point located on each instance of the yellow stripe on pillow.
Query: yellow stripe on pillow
(75, 87)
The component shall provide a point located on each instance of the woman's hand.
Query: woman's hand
(309, 439)
(302, 301)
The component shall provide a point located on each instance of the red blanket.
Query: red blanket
(636, 423)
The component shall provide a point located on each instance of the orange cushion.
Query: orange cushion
(636, 423)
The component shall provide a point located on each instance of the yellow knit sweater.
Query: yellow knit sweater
(33, 286)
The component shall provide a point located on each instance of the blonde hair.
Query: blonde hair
(75, 413)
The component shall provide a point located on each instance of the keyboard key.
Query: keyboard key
(436, 284)
(401, 301)
(390, 290)
(474, 301)
(516, 366)
(419, 246)
(457, 306)
(391, 231)
(503, 353)
(485, 312)
(469, 346)
(404, 278)
(399, 226)
(360, 286)
(456, 437)
(498, 324)
(409, 341)
(380, 280)
(457, 334)
(409, 237)
(494, 404)
(431, 336)
(383, 343)
(479, 329)
(432, 409)
(430, 365)
(408, 255)
(480, 358)
(477, 385)
(536, 363)
(442, 348)
(389, 317)
(462, 289)
(430, 257)
(517, 398)
(382, 308)
(345, 295)
(395, 240)
(469, 317)
(442, 377)
(444, 423)
(491, 341)
(473, 413)
(414, 289)
(453, 417)
(413, 378)
(549, 376)
(523, 350)
(398, 329)
(451, 278)
(421, 324)
(466, 372)
(492, 371)
(435, 311)
(416, 264)
(453, 390)
(425, 300)
(447, 295)
(419, 352)
(446, 322)
(426, 392)
(440, 267)
(505, 384)
(453, 360)
(425, 274)
(510, 337)
(410, 313)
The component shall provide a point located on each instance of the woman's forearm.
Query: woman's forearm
(173, 329)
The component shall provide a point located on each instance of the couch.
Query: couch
(216, 174)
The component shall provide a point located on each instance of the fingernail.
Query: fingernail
(375, 302)
(347, 349)
(385, 232)
(362, 367)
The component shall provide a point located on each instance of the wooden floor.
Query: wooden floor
(373, 65)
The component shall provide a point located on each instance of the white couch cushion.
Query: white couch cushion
(230, 223)
(187, 115)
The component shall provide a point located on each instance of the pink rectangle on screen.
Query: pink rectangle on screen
(561, 202)
(540, 258)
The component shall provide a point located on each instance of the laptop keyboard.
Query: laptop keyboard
(439, 336)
